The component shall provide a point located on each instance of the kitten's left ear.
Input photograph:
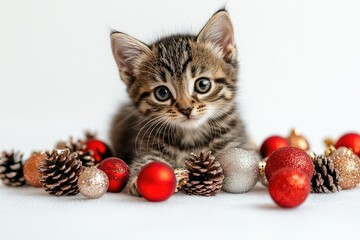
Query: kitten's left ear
(219, 31)
(127, 52)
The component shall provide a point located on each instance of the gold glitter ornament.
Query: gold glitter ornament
(93, 183)
(348, 164)
(296, 139)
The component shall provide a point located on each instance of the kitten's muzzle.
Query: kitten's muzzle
(186, 112)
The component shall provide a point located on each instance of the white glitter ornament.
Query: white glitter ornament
(93, 183)
(241, 170)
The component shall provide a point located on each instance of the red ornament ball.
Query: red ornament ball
(289, 157)
(289, 187)
(350, 140)
(100, 150)
(271, 144)
(117, 171)
(156, 181)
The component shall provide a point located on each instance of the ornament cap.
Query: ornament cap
(182, 177)
(311, 154)
(295, 132)
(262, 165)
(329, 142)
(329, 150)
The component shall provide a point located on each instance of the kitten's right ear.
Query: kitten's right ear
(128, 53)
(219, 31)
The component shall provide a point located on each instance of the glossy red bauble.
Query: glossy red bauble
(289, 187)
(117, 171)
(350, 140)
(289, 157)
(100, 150)
(271, 144)
(156, 181)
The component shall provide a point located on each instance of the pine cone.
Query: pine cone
(205, 175)
(326, 176)
(60, 171)
(11, 169)
(85, 156)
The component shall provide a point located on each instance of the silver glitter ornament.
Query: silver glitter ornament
(241, 170)
(93, 183)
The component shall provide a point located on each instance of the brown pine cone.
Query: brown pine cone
(60, 171)
(11, 169)
(78, 147)
(205, 175)
(326, 177)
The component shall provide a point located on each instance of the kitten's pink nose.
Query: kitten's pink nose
(186, 112)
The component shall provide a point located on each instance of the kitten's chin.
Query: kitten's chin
(190, 123)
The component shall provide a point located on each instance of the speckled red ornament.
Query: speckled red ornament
(289, 187)
(289, 157)
(271, 144)
(156, 181)
(350, 140)
(117, 171)
(100, 150)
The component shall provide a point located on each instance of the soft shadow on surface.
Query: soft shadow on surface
(31, 192)
(272, 207)
(124, 197)
(108, 197)
(268, 206)
(24, 191)
(259, 189)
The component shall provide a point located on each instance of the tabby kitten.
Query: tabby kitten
(183, 91)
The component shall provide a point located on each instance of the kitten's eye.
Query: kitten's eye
(202, 85)
(162, 94)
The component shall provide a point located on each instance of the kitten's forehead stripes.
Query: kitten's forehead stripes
(197, 70)
(213, 94)
(143, 96)
(174, 54)
(163, 76)
(225, 83)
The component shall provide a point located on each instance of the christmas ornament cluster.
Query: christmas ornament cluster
(291, 171)
(288, 168)
(73, 166)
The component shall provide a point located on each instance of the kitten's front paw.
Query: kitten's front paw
(131, 187)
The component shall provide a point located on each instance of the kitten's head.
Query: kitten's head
(183, 80)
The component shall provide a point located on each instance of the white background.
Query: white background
(299, 64)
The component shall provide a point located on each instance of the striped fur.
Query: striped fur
(148, 129)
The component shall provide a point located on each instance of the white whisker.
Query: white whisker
(150, 122)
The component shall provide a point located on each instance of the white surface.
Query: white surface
(299, 68)
(30, 213)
